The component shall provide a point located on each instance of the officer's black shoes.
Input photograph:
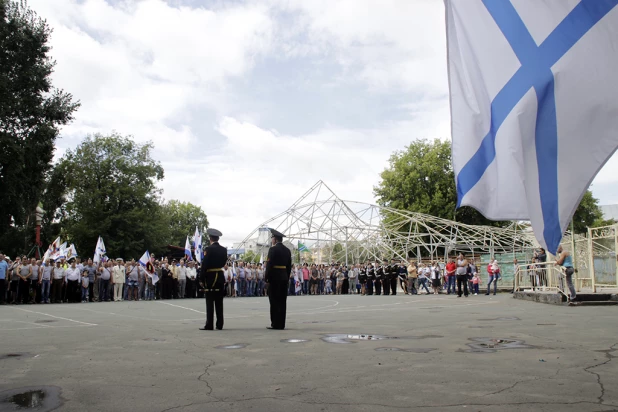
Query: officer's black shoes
(270, 327)
(206, 328)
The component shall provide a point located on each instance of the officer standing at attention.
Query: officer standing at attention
(371, 276)
(394, 276)
(278, 268)
(386, 277)
(379, 272)
(212, 279)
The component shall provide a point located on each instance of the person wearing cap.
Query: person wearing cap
(278, 269)
(212, 279)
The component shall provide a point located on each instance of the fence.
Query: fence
(541, 277)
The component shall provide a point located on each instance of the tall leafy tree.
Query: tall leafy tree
(183, 218)
(111, 191)
(588, 214)
(31, 112)
(421, 179)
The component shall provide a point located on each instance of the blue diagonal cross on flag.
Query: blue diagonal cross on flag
(533, 117)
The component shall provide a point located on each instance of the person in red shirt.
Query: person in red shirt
(451, 267)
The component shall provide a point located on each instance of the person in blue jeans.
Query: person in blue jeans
(242, 281)
(566, 260)
(494, 275)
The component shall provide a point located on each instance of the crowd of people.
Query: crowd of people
(458, 276)
(32, 281)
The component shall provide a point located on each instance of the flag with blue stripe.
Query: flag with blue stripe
(534, 114)
(188, 255)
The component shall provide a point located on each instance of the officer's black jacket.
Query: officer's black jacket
(280, 256)
(215, 257)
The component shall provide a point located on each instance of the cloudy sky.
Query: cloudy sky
(249, 103)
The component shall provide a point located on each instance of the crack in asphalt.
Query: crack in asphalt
(609, 356)
(207, 373)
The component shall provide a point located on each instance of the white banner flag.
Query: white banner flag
(533, 105)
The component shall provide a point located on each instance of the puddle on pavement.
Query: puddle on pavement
(410, 350)
(420, 337)
(295, 340)
(345, 338)
(234, 346)
(491, 345)
(41, 399)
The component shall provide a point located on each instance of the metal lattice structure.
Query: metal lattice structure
(350, 231)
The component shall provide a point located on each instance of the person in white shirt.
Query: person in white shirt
(58, 283)
(72, 278)
(191, 277)
(182, 279)
(118, 278)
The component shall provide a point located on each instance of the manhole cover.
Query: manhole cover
(502, 319)
(489, 345)
(42, 399)
(410, 350)
(345, 338)
(295, 340)
(154, 340)
(234, 346)
(44, 321)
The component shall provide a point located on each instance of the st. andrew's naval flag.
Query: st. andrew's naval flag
(534, 107)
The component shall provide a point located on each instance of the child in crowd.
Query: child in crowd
(85, 283)
(476, 281)
(329, 286)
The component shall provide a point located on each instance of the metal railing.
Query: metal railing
(541, 277)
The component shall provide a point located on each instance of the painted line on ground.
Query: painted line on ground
(183, 307)
(57, 317)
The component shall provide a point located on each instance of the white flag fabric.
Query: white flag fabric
(144, 259)
(71, 252)
(188, 249)
(99, 251)
(197, 245)
(534, 112)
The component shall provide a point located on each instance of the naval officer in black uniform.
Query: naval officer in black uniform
(212, 279)
(277, 275)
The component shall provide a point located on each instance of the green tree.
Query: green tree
(250, 257)
(588, 214)
(421, 179)
(183, 218)
(110, 187)
(31, 112)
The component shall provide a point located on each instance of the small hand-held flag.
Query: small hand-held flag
(197, 245)
(188, 255)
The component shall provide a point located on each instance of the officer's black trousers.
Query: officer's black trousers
(277, 296)
(378, 286)
(386, 283)
(214, 303)
(394, 285)
(369, 287)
